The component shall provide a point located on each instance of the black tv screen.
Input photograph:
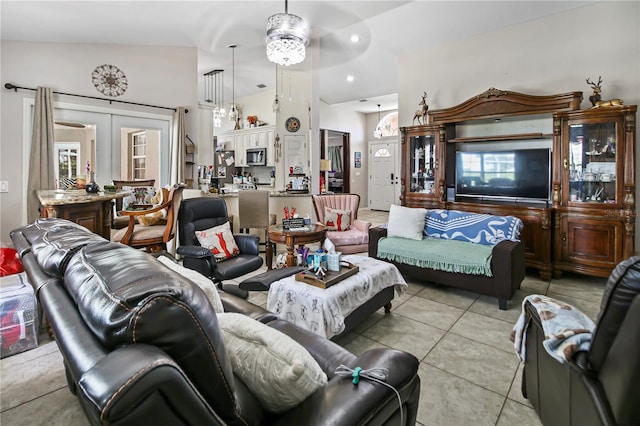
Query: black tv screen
(514, 174)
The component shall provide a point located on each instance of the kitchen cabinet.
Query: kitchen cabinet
(253, 137)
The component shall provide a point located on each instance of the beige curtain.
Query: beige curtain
(178, 147)
(41, 166)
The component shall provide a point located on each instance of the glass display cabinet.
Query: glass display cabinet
(594, 191)
(423, 156)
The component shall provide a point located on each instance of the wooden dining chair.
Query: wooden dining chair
(152, 238)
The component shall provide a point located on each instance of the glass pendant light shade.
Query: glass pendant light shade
(287, 36)
(214, 94)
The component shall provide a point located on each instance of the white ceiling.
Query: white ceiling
(386, 30)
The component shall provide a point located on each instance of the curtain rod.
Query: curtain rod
(12, 86)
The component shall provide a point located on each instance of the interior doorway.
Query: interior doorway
(335, 146)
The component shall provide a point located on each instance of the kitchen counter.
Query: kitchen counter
(93, 211)
(272, 193)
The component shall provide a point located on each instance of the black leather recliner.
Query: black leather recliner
(599, 386)
(198, 214)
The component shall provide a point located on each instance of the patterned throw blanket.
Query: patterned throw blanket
(566, 329)
(476, 228)
(443, 255)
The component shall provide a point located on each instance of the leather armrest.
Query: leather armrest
(508, 267)
(194, 251)
(233, 303)
(342, 402)
(361, 225)
(248, 243)
(375, 234)
(124, 382)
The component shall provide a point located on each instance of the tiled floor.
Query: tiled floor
(469, 372)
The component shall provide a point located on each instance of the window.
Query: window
(67, 166)
(389, 124)
(138, 155)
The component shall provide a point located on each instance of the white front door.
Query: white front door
(383, 178)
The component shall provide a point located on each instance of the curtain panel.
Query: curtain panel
(41, 166)
(178, 147)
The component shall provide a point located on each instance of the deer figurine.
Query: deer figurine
(597, 89)
(422, 113)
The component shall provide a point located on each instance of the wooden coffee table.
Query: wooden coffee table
(276, 234)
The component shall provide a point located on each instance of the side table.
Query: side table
(276, 234)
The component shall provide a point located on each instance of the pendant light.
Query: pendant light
(214, 94)
(276, 101)
(287, 36)
(233, 111)
(377, 133)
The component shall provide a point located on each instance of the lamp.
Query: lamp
(377, 133)
(287, 36)
(233, 111)
(276, 102)
(325, 166)
(214, 93)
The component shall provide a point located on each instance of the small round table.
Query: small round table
(276, 234)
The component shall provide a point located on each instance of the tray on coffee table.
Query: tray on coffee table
(330, 278)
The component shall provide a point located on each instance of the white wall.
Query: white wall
(165, 76)
(547, 56)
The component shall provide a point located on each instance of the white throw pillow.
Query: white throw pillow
(220, 241)
(198, 279)
(406, 222)
(277, 369)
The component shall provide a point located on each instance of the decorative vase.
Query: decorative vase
(92, 187)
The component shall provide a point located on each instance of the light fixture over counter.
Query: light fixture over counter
(287, 36)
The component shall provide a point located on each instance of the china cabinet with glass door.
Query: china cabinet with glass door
(594, 189)
(423, 166)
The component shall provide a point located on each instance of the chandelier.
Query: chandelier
(233, 111)
(287, 36)
(377, 133)
(214, 93)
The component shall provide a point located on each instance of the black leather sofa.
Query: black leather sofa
(596, 387)
(141, 344)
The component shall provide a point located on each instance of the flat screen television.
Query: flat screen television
(511, 174)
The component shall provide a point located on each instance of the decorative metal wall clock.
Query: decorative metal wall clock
(109, 80)
(292, 124)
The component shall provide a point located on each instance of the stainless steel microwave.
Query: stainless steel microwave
(257, 157)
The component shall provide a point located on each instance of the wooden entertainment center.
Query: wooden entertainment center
(584, 223)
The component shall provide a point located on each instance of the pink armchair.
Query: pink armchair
(356, 238)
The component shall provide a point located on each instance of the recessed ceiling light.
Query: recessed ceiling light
(355, 38)
(350, 78)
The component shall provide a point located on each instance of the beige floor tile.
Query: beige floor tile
(514, 413)
(447, 400)
(515, 392)
(15, 361)
(25, 382)
(451, 296)
(588, 288)
(361, 344)
(369, 321)
(486, 330)
(476, 362)
(56, 408)
(429, 312)
(405, 334)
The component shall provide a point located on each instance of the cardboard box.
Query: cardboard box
(18, 315)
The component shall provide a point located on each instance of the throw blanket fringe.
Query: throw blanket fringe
(566, 329)
(443, 255)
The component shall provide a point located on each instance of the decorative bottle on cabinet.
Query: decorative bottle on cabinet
(594, 189)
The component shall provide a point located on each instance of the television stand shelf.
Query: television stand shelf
(583, 219)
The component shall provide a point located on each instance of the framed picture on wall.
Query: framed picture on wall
(357, 158)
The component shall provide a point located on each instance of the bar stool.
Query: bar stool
(253, 212)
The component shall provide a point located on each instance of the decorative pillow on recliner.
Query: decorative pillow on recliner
(278, 370)
(220, 241)
(337, 220)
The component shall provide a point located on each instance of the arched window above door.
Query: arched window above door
(389, 124)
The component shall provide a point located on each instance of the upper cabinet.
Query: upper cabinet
(253, 137)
